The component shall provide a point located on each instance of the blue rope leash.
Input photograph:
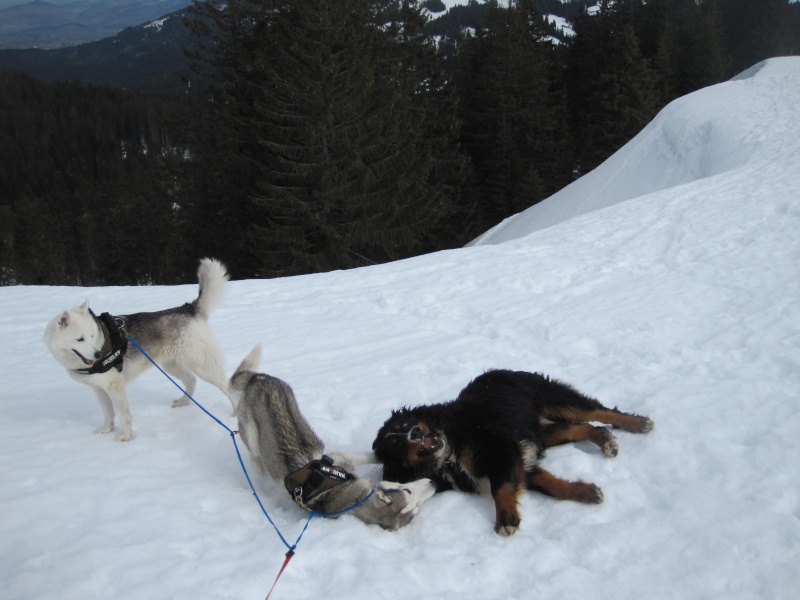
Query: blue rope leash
(232, 433)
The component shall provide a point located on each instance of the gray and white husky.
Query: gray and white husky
(178, 339)
(281, 443)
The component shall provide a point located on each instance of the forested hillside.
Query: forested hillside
(331, 135)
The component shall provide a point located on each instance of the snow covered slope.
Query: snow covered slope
(670, 287)
(739, 130)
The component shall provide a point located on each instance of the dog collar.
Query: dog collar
(315, 478)
(115, 344)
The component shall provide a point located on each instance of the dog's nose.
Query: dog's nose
(416, 433)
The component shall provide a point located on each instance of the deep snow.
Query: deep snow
(666, 282)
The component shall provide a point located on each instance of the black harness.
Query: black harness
(315, 478)
(115, 344)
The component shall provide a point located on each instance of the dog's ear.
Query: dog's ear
(63, 320)
(85, 306)
(250, 362)
(381, 495)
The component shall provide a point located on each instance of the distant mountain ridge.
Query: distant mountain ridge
(149, 57)
(44, 25)
(146, 58)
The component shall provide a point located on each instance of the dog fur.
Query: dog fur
(178, 339)
(497, 430)
(281, 441)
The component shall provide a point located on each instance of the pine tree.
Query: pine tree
(347, 175)
(755, 31)
(613, 86)
(84, 184)
(684, 42)
(666, 63)
(235, 40)
(709, 63)
(512, 128)
(328, 127)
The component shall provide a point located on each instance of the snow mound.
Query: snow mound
(739, 128)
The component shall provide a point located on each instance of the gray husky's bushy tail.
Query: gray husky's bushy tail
(211, 276)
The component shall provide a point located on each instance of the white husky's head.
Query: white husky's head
(74, 338)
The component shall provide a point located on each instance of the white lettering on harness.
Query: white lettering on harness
(111, 357)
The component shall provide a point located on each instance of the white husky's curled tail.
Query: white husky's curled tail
(211, 276)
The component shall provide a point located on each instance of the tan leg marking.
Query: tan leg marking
(507, 508)
(579, 491)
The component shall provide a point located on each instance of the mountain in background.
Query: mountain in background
(149, 57)
(146, 58)
(45, 25)
(50, 25)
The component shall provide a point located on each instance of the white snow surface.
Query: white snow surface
(666, 282)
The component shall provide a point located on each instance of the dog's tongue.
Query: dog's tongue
(429, 442)
(86, 361)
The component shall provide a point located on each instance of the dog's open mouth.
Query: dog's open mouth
(85, 360)
(429, 444)
(419, 442)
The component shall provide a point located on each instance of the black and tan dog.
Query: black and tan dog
(497, 430)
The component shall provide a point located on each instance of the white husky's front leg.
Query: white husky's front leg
(119, 399)
(108, 411)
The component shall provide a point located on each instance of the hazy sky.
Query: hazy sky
(7, 3)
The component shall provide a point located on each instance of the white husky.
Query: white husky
(94, 350)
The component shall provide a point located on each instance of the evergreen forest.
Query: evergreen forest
(332, 134)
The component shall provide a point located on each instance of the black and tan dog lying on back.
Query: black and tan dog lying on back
(497, 430)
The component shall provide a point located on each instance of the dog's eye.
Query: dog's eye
(80, 339)
(408, 491)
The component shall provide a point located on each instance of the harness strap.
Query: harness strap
(315, 478)
(115, 344)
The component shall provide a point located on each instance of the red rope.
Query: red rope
(289, 556)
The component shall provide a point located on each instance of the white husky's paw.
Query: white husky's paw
(182, 401)
(104, 429)
(124, 437)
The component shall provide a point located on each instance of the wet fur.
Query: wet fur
(179, 339)
(495, 432)
(281, 441)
